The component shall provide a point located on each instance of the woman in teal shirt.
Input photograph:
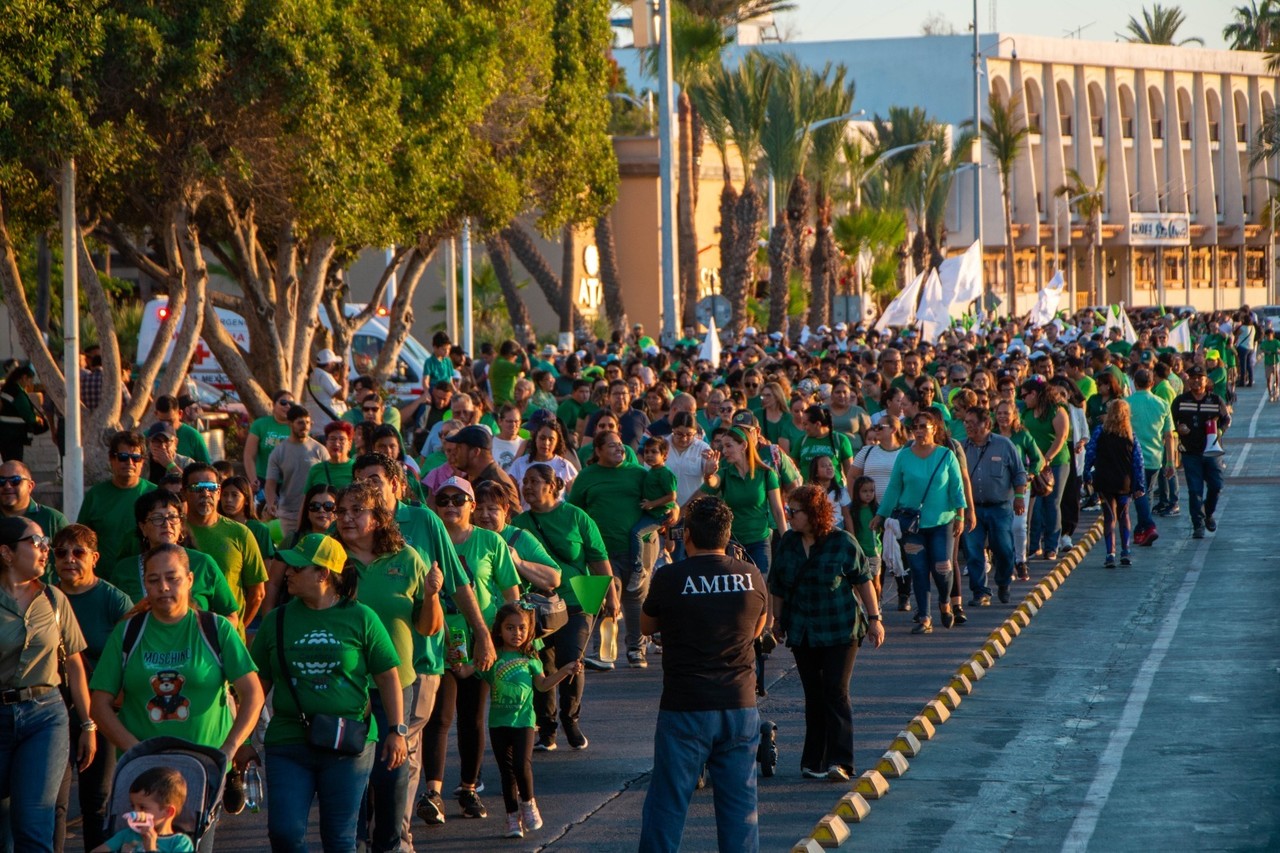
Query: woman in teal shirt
(927, 478)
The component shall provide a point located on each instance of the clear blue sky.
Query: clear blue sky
(822, 20)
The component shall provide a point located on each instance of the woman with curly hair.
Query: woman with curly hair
(399, 587)
(824, 603)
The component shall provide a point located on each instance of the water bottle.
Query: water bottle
(253, 788)
(609, 639)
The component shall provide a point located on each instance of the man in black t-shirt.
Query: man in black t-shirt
(709, 608)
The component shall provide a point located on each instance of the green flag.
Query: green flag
(591, 590)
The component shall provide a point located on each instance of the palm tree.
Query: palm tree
(881, 233)
(1006, 134)
(1266, 143)
(788, 112)
(730, 12)
(1255, 27)
(834, 98)
(709, 101)
(1159, 25)
(1089, 202)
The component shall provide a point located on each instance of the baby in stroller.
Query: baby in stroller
(166, 796)
(157, 797)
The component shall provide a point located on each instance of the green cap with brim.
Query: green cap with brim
(316, 549)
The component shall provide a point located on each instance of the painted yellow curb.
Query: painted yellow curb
(1011, 627)
(936, 712)
(994, 647)
(922, 727)
(972, 670)
(806, 845)
(831, 831)
(907, 743)
(893, 764)
(949, 697)
(853, 808)
(871, 785)
(1021, 617)
(1027, 607)
(961, 684)
(1000, 634)
(984, 657)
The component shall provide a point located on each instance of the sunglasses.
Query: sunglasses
(15, 480)
(163, 519)
(322, 506)
(196, 488)
(373, 409)
(79, 552)
(36, 541)
(128, 457)
(792, 510)
(452, 500)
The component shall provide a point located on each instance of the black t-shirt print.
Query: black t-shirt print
(708, 607)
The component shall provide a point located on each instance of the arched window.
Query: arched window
(1066, 107)
(1126, 112)
(1033, 104)
(1097, 109)
(1155, 103)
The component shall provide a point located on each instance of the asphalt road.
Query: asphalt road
(1140, 709)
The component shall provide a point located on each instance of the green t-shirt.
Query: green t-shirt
(503, 374)
(570, 537)
(262, 535)
(98, 609)
(392, 586)
(748, 497)
(629, 457)
(1120, 348)
(176, 842)
(233, 548)
(511, 690)
(1042, 431)
(332, 655)
(571, 411)
(658, 481)
(834, 444)
(209, 589)
(192, 444)
(1164, 390)
(390, 416)
(173, 685)
(437, 370)
(270, 433)
(108, 510)
(611, 496)
(528, 548)
(487, 560)
(1270, 350)
(1218, 376)
(335, 474)
(425, 533)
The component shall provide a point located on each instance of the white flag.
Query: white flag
(711, 344)
(1180, 336)
(1047, 301)
(902, 310)
(961, 279)
(933, 316)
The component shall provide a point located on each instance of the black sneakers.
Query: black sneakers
(431, 808)
(575, 737)
(469, 800)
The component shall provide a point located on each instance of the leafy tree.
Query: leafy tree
(833, 98)
(1089, 201)
(1005, 134)
(1159, 25)
(1255, 27)
(879, 232)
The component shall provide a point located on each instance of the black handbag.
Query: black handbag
(550, 613)
(325, 732)
(909, 519)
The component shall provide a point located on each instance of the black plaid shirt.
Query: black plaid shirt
(817, 589)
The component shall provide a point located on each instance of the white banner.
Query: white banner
(1047, 301)
(933, 316)
(961, 279)
(902, 310)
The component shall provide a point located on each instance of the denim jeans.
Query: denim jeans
(1143, 504)
(632, 601)
(926, 553)
(297, 775)
(563, 646)
(824, 673)
(760, 553)
(1245, 357)
(382, 814)
(1167, 496)
(724, 741)
(34, 746)
(643, 528)
(1046, 515)
(995, 530)
(1204, 482)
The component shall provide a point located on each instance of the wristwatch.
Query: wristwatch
(401, 729)
(874, 617)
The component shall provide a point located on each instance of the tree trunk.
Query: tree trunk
(97, 426)
(500, 259)
(780, 254)
(798, 221)
(728, 238)
(697, 140)
(335, 294)
(610, 278)
(522, 246)
(183, 247)
(568, 251)
(742, 271)
(1011, 278)
(820, 263)
(315, 272)
(400, 319)
(686, 203)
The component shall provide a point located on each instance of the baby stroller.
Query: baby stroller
(203, 767)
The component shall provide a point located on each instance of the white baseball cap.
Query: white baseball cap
(326, 357)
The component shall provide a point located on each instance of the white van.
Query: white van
(405, 382)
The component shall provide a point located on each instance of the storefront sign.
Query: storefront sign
(1159, 229)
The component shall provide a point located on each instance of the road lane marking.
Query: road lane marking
(1253, 422)
(1253, 432)
(1086, 822)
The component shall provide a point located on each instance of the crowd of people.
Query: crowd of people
(373, 558)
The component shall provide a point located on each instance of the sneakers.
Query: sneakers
(638, 578)
(514, 829)
(546, 743)
(1210, 524)
(1111, 562)
(812, 774)
(530, 816)
(479, 788)
(597, 664)
(925, 627)
(577, 740)
(431, 808)
(1126, 560)
(947, 618)
(1197, 533)
(980, 601)
(1024, 574)
(1064, 544)
(836, 773)
(904, 603)
(233, 798)
(1003, 592)
(1169, 512)
(471, 805)
(1051, 556)
(1146, 535)
(636, 659)
(958, 613)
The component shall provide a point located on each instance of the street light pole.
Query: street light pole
(666, 177)
(73, 458)
(977, 130)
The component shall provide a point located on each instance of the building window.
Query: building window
(1242, 132)
(1126, 128)
(1227, 260)
(1200, 276)
(1185, 128)
(1213, 131)
(1157, 128)
(1097, 126)
(1173, 267)
(1065, 123)
(1144, 270)
(1255, 267)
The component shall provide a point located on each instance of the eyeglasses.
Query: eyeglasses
(352, 512)
(15, 480)
(285, 403)
(371, 409)
(792, 510)
(128, 457)
(203, 486)
(751, 384)
(452, 500)
(322, 506)
(79, 552)
(158, 520)
(36, 541)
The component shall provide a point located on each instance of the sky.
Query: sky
(823, 20)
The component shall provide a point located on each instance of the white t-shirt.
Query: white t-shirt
(321, 384)
(687, 467)
(504, 451)
(564, 469)
(876, 463)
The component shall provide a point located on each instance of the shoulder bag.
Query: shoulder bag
(550, 612)
(909, 519)
(325, 732)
